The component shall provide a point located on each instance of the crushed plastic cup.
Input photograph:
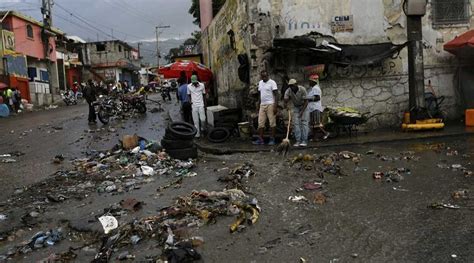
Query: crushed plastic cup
(109, 223)
(147, 170)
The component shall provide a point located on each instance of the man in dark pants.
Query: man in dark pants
(90, 96)
(183, 97)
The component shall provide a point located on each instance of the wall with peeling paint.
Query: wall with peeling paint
(221, 55)
(383, 89)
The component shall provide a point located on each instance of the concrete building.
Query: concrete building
(70, 68)
(290, 37)
(110, 61)
(27, 42)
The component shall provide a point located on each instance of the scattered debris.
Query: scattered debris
(58, 159)
(109, 223)
(319, 198)
(443, 205)
(460, 194)
(298, 199)
(312, 186)
(131, 204)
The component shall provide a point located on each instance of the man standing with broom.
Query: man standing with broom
(298, 97)
(268, 107)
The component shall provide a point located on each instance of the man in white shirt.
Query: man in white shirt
(315, 106)
(196, 92)
(268, 107)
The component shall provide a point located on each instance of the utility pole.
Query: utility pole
(158, 56)
(415, 10)
(139, 52)
(46, 34)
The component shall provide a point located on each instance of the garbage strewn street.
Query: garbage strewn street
(94, 200)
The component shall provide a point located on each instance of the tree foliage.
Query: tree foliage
(194, 9)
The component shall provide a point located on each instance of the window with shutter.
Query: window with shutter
(450, 12)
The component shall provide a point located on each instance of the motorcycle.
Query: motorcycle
(107, 107)
(135, 102)
(69, 98)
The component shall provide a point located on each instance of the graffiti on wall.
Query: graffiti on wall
(387, 68)
(301, 25)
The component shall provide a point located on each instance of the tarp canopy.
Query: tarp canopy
(462, 46)
(327, 51)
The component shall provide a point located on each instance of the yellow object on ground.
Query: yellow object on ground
(420, 127)
(428, 121)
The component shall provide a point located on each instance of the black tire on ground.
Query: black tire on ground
(170, 136)
(103, 116)
(218, 135)
(182, 130)
(183, 154)
(176, 144)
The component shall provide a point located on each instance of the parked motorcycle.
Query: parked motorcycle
(69, 98)
(135, 102)
(107, 107)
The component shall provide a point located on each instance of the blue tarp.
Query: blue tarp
(4, 111)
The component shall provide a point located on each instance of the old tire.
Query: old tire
(176, 144)
(218, 135)
(183, 154)
(181, 130)
(103, 116)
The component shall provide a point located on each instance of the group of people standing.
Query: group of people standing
(304, 105)
(11, 97)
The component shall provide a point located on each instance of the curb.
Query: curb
(224, 150)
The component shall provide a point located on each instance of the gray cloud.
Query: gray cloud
(131, 20)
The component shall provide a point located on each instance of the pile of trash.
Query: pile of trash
(112, 171)
(392, 176)
(39, 240)
(191, 211)
(238, 177)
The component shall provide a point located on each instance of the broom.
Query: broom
(285, 144)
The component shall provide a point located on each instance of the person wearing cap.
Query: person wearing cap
(268, 107)
(299, 100)
(196, 92)
(315, 106)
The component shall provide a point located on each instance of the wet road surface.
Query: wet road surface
(361, 219)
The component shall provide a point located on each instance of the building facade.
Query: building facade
(370, 74)
(111, 61)
(24, 48)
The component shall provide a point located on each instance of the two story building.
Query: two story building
(25, 59)
(111, 61)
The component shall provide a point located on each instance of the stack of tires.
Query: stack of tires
(178, 141)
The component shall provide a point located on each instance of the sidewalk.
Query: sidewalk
(237, 145)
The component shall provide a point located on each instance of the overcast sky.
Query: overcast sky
(131, 20)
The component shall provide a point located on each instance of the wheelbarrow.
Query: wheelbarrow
(346, 121)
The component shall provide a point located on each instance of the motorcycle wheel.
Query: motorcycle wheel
(103, 116)
(141, 108)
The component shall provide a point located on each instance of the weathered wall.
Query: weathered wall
(221, 55)
(381, 89)
(114, 52)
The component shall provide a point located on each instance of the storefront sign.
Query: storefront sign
(342, 24)
(8, 39)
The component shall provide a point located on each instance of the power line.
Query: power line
(136, 9)
(84, 21)
(95, 27)
(130, 11)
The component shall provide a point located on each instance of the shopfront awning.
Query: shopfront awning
(462, 46)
